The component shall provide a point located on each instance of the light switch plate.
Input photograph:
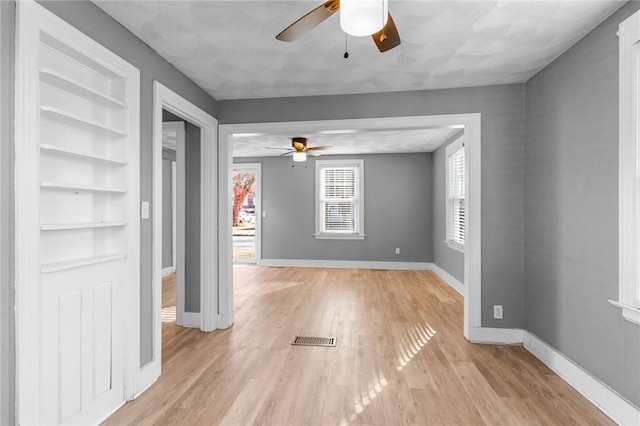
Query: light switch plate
(144, 210)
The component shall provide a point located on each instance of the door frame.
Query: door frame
(31, 19)
(473, 248)
(165, 98)
(257, 169)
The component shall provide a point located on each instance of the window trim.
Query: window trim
(629, 167)
(359, 234)
(450, 150)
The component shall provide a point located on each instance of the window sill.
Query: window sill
(629, 312)
(339, 236)
(455, 246)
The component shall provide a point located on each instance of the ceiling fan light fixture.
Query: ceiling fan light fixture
(363, 17)
(299, 157)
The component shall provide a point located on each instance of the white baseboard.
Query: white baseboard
(449, 279)
(602, 396)
(168, 271)
(495, 336)
(354, 264)
(191, 319)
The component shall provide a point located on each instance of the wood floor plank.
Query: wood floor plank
(400, 358)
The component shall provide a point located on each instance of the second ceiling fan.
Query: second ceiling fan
(356, 18)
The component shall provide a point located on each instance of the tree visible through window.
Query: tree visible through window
(456, 194)
(339, 199)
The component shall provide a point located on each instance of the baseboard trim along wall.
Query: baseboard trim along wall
(168, 271)
(354, 264)
(496, 336)
(191, 320)
(449, 279)
(602, 396)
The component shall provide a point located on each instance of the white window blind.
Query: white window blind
(339, 201)
(456, 203)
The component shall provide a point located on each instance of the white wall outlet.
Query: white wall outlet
(497, 311)
(144, 210)
(264, 213)
(397, 250)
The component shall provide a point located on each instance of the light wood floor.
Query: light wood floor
(400, 358)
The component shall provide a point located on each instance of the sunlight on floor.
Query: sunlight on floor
(411, 342)
(169, 314)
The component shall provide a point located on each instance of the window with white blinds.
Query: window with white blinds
(456, 197)
(339, 199)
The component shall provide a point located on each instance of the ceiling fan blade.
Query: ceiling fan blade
(318, 148)
(309, 21)
(273, 147)
(387, 38)
(288, 153)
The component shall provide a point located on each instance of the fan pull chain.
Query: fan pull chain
(346, 46)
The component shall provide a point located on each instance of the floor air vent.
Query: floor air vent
(314, 341)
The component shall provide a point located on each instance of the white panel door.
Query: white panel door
(77, 239)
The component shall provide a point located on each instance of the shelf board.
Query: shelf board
(57, 185)
(79, 225)
(77, 263)
(54, 78)
(66, 117)
(72, 153)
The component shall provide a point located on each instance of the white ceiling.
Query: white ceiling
(347, 142)
(229, 49)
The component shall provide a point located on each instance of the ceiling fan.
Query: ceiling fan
(357, 17)
(299, 149)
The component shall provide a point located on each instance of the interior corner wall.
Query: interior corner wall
(7, 237)
(502, 111)
(91, 20)
(192, 219)
(444, 256)
(571, 210)
(168, 157)
(397, 210)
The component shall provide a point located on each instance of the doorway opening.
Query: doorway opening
(246, 212)
(471, 123)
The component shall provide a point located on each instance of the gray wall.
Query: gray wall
(502, 109)
(94, 22)
(571, 210)
(168, 157)
(7, 296)
(397, 210)
(444, 256)
(192, 219)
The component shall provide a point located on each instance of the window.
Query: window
(456, 213)
(339, 206)
(629, 170)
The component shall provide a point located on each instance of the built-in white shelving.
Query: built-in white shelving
(85, 155)
(79, 262)
(80, 225)
(76, 187)
(74, 120)
(52, 77)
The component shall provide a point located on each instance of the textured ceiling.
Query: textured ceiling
(229, 49)
(370, 142)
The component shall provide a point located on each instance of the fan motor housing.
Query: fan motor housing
(299, 143)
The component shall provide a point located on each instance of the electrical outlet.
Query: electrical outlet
(144, 210)
(397, 250)
(497, 311)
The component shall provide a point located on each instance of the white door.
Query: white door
(77, 238)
